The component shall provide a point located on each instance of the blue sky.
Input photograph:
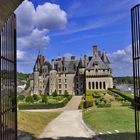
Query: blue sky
(72, 27)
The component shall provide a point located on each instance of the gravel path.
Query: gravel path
(68, 125)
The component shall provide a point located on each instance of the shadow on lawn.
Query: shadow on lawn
(118, 136)
(115, 136)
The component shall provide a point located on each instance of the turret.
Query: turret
(36, 82)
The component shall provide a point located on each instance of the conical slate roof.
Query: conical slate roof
(105, 58)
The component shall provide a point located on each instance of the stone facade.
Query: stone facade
(72, 75)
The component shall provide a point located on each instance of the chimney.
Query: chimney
(99, 54)
(94, 49)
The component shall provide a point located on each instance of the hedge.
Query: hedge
(104, 104)
(25, 106)
(126, 96)
(88, 101)
(126, 103)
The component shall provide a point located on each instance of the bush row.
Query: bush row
(101, 102)
(44, 105)
(126, 96)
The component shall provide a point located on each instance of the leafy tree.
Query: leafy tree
(44, 99)
(22, 76)
(29, 99)
(36, 97)
(20, 97)
(66, 94)
(54, 94)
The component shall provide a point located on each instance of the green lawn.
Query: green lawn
(34, 122)
(111, 119)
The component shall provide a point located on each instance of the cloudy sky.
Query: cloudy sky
(72, 27)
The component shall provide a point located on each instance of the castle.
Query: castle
(75, 76)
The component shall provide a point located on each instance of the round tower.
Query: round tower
(36, 80)
(53, 81)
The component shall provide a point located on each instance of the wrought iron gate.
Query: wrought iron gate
(8, 112)
(135, 20)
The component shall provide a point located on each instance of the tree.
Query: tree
(20, 97)
(29, 99)
(36, 97)
(54, 94)
(44, 99)
(66, 94)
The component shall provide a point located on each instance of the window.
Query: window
(59, 80)
(104, 85)
(92, 85)
(65, 80)
(96, 70)
(100, 85)
(59, 85)
(59, 75)
(89, 85)
(96, 85)
(65, 85)
(60, 91)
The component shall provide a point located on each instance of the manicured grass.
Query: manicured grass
(34, 122)
(111, 119)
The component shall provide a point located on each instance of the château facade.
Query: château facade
(75, 76)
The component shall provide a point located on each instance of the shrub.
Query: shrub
(44, 99)
(96, 95)
(81, 105)
(29, 99)
(66, 93)
(36, 97)
(20, 97)
(126, 103)
(98, 100)
(119, 98)
(125, 95)
(88, 101)
(104, 104)
(54, 94)
(59, 98)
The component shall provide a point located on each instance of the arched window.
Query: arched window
(92, 85)
(89, 85)
(100, 85)
(96, 85)
(104, 85)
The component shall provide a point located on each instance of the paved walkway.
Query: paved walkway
(68, 125)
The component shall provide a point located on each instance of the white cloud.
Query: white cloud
(121, 61)
(50, 16)
(46, 16)
(120, 52)
(20, 54)
(37, 39)
(25, 18)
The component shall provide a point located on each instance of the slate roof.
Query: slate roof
(96, 60)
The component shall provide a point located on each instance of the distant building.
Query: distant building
(75, 76)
